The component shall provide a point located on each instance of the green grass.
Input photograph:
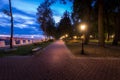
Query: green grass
(106, 42)
(24, 50)
(93, 50)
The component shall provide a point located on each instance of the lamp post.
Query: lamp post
(82, 46)
(82, 28)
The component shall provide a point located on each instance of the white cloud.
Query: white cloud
(2, 15)
(23, 21)
(34, 36)
(4, 24)
(34, 28)
(57, 18)
(25, 6)
(38, 36)
(2, 35)
(29, 22)
(4, 20)
(18, 16)
(21, 26)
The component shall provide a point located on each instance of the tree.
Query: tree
(117, 23)
(108, 17)
(65, 26)
(11, 38)
(100, 23)
(9, 13)
(51, 29)
(82, 12)
(45, 15)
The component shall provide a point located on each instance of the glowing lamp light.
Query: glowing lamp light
(75, 37)
(83, 27)
(91, 36)
(112, 36)
(66, 35)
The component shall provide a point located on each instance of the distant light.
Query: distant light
(82, 37)
(91, 36)
(75, 37)
(62, 37)
(112, 36)
(66, 35)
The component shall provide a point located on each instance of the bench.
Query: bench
(36, 50)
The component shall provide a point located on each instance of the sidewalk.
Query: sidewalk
(57, 63)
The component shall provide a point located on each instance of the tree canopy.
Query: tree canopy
(45, 17)
(101, 16)
(65, 26)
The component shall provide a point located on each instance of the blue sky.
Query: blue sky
(24, 13)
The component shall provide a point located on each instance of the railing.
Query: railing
(19, 42)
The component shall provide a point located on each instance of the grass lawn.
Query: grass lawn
(24, 50)
(93, 50)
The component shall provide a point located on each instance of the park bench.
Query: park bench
(36, 50)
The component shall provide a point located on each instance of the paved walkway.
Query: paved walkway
(57, 63)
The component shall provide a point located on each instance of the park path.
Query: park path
(57, 63)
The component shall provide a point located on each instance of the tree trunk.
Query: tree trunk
(11, 36)
(117, 30)
(100, 23)
(108, 27)
(87, 34)
(108, 36)
(87, 20)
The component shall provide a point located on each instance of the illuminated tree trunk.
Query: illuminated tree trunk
(100, 23)
(11, 36)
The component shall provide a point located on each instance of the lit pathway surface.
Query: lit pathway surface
(57, 63)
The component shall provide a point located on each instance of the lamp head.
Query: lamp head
(83, 27)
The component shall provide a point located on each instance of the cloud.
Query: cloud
(34, 28)
(26, 6)
(29, 36)
(4, 24)
(4, 20)
(3, 35)
(20, 20)
(24, 13)
(2, 15)
(23, 23)
(57, 18)
(22, 16)
(38, 36)
(21, 26)
(30, 22)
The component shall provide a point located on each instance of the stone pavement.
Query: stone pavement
(57, 63)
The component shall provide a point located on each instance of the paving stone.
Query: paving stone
(56, 63)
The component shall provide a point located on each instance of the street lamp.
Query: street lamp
(82, 28)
